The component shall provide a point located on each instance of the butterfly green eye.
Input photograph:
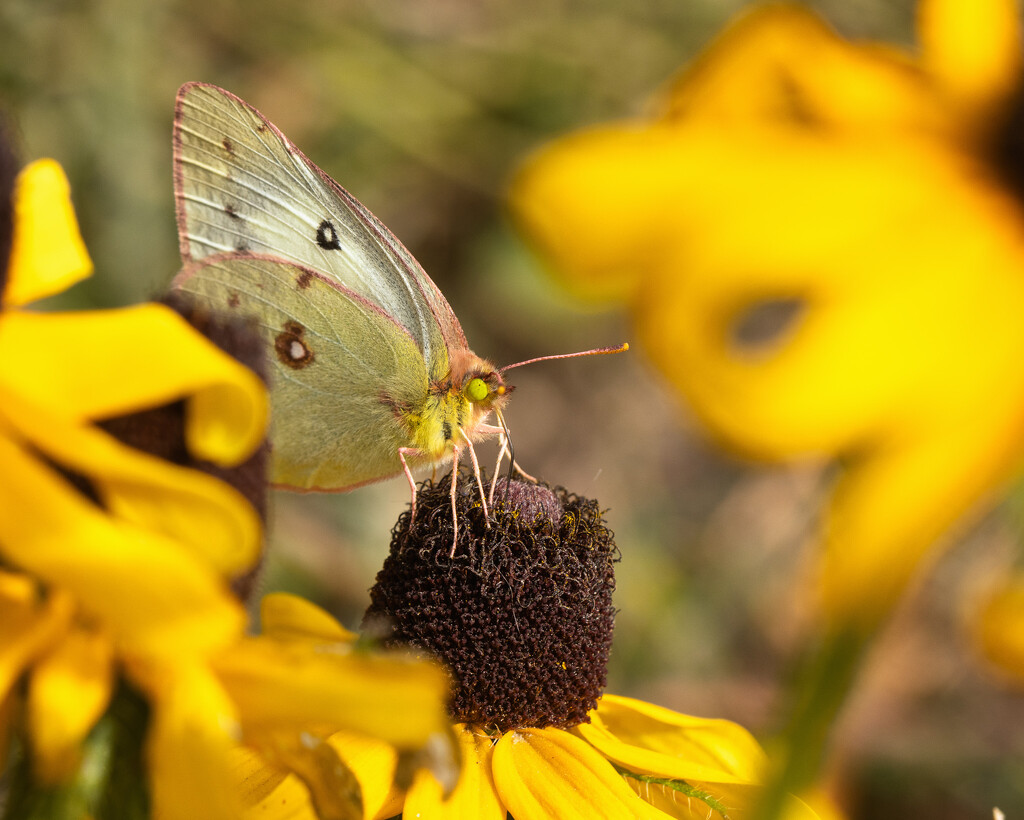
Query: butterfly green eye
(476, 390)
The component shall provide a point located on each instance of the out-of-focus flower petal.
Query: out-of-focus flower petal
(76, 363)
(29, 624)
(278, 684)
(972, 51)
(781, 65)
(541, 773)
(48, 255)
(68, 691)
(149, 591)
(285, 616)
(192, 743)
(474, 796)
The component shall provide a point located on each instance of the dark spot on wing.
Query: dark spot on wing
(327, 236)
(291, 348)
(242, 244)
(304, 280)
(231, 211)
(229, 146)
(233, 299)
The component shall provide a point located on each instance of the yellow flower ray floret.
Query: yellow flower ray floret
(152, 594)
(47, 254)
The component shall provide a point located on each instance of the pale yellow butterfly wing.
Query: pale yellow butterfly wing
(243, 189)
(242, 185)
(341, 371)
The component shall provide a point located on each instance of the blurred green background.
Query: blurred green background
(423, 110)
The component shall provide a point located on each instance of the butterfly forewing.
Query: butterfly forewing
(242, 186)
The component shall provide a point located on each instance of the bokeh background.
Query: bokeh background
(423, 110)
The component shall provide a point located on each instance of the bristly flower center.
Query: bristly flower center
(522, 614)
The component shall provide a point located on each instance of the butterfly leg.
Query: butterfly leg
(497, 468)
(408, 474)
(455, 520)
(479, 478)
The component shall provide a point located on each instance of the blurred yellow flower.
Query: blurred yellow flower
(876, 199)
(116, 563)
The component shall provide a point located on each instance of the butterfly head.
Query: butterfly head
(484, 388)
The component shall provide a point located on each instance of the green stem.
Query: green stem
(823, 682)
(110, 780)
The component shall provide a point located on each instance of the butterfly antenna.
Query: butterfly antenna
(597, 351)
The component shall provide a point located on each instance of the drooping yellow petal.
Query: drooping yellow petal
(287, 800)
(279, 684)
(29, 624)
(195, 509)
(374, 763)
(782, 64)
(475, 795)
(657, 741)
(79, 364)
(972, 49)
(999, 627)
(69, 690)
(285, 616)
(543, 773)
(191, 745)
(331, 787)
(155, 596)
(48, 255)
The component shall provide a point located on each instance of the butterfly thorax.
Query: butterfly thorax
(456, 406)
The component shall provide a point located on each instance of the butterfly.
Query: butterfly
(372, 373)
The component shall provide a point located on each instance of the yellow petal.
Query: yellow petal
(654, 740)
(332, 788)
(281, 684)
(69, 690)
(595, 205)
(374, 763)
(48, 255)
(999, 628)
(256, 779)
(195, 509)
(100, 364)
(191, 745)
(289, 616)
(475, 795)
(29, 625)
(972, 48)
(780, 65)
(542, 773)
(150, 592)
(287, 800)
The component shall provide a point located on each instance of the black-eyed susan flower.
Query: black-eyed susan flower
(116, 564)
(874, 194)
(522, 617)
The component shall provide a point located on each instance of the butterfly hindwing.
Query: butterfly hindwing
(343, 371)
